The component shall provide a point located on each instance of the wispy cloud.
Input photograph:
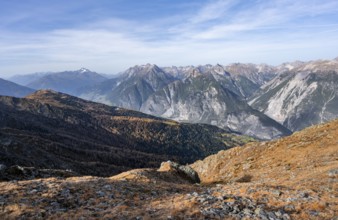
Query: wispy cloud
(218, 31)
(212, 10)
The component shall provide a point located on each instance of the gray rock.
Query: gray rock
(304, 195)
(278, 214)
(291, 199)
(271, 215)
(184, 170)
(195, 194)
(333, 173)
(247, 211)
(289, 208)
(107, 187)
(286, 217)
(259, 211)
(100, 194)
(313, 213)
(276, 192)
(33, 191)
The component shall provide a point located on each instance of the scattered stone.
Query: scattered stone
(33, 191)
(289, 208)
(333, 173)
(107, 187)
(313, 213)
(100, 194)
(276, 192)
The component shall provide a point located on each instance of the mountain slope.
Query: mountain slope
(26, 78)
(250, 77)
(289, 160)
(57, 131)
(257, 74)
(131, 89)
(8, 88)
(306, 94)
(205, 98)
(68, 82)
(291, 178)
(243, 79)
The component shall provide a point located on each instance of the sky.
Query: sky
(108, 36)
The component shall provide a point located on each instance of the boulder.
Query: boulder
(184, 171)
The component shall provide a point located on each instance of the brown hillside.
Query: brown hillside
(291, 178)
(301, 158)
(52, 130)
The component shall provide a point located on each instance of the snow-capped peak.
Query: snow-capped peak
(83, 70)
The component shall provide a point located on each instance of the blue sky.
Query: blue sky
(109, 36)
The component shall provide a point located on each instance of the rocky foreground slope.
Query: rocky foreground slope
(290, 178)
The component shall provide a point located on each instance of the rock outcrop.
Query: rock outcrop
(184, 171)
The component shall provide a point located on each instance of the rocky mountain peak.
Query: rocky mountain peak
(219, 69)
(83, 70)
(143, 70)
(195, 73)
(319, 65)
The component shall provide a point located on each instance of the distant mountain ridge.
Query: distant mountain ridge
(188, 93)
(27, 78)
(8, 88)
(67, 81)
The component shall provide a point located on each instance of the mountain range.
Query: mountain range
(259, 100)
(302, 95)
(205, 94)
(53, 130)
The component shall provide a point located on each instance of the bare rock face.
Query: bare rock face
(302, 95)
(203, 94)
(183, 170)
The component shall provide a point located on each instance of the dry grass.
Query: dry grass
(294, 174)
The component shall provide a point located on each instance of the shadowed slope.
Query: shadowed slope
(54, 130)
